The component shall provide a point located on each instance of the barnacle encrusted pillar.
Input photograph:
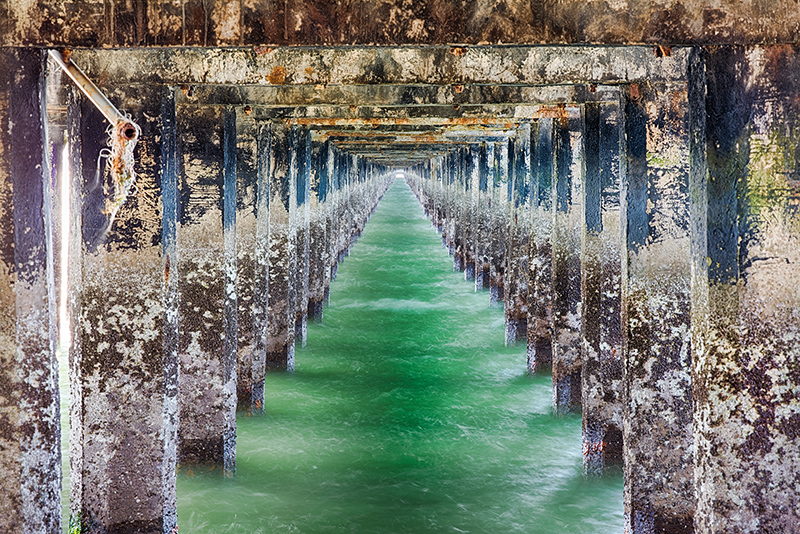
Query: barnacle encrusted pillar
(518, 238)
(207, 271)
(318, 230)
(124, 370)
(601, 353)
(249, 359)
(470, 209)
(497, 234)
(745, 120)
(540, 345)
(30, 453)
(281, 312)
(483, 217)
(566, 265)
(458, 162)
(657, 404)
(299, 218)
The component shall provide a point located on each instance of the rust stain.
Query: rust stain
(635, 92)
(278, 76)
(309, 70)
(458, 88)
(554, 112)
(458, 50)
(262, 50)
(166, 271)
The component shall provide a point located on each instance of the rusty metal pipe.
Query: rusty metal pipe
(123, 125)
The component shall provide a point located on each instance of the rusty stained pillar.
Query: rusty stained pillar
(281, 315)
(566, 266)
(30, 452)
(471, 180)
(498, 206)
(518, 238)
(299, 219)
(249, 361)
(601, 353)
(540, 322)
(124, 368)
(657, 404)
(207, 270)
(318, 230)
(745, 120)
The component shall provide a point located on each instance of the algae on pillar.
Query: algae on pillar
(745, 124)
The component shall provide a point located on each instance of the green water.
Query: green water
(406, 415)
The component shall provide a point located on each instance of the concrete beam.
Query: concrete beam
(430, 65)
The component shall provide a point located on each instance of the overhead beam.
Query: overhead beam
(430, 65)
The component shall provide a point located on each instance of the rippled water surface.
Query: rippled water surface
(406, 415)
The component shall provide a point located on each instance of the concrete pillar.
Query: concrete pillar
(281, 313)
(246, 230)
(299, 218)
(657, 427)
(124, 368)
(540, 344)
(471, 179)
(566, 265)
(518, 239)
(30, 453)
(207, 270)
(459, 211)
(601, 353)
(498, 206)
(483, 216)
(318, 229)
(745, 291)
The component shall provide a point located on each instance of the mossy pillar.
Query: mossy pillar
(30, 453)
(745, 120)
(657, 404)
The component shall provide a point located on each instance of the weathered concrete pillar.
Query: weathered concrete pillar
(657, 428)
(518, 238)
(601, 354)
(207, 270)
(471, 179)
(540, 344)
(281, 313)
(299, 218)
(483, 216)
(30, 452)
(459, 195)
(246, 230)
(318, 230)
(566, 273)
(498, 206)
(124, 372)
(745, 288)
